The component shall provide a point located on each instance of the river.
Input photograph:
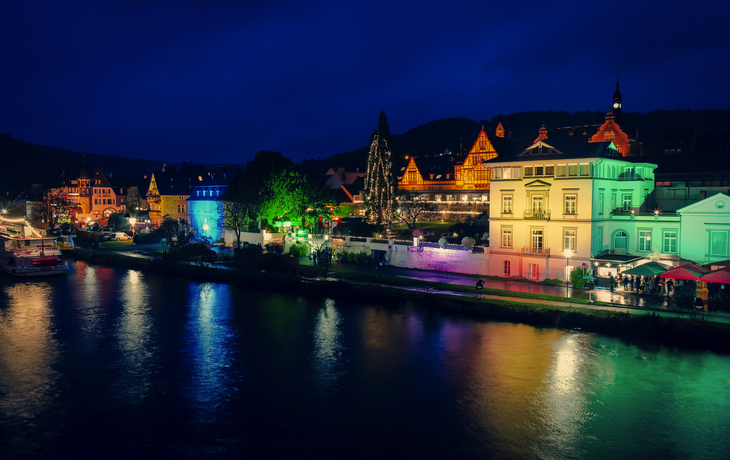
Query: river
(114, 363)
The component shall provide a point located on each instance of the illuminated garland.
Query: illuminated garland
(379, 184)
(21, 221)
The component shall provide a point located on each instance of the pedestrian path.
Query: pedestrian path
(624, 301)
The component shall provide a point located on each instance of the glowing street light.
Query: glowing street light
(568, 254)
(132, 221)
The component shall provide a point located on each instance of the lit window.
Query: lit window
(507, 204)
(569, 240)
(506, 237)
(718, 243)
(644, 240)
(570, 204)
(506, 270)
(626, 201)
(670, 243)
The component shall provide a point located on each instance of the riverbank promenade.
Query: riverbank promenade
(618, 300)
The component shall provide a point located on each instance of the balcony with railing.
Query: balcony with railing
(531, 214)
(535, 251)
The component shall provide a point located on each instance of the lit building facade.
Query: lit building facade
(90, 196)
(560, 195)
(456, 186)
(169, 190)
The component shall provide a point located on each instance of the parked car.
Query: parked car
(121, 236)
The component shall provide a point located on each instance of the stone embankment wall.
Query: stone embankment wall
(256, 238)
(405, 255)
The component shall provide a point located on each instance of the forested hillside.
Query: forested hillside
(457, 133)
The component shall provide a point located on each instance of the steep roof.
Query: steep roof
(97, 175)
(558, 146)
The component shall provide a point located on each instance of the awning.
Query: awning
(718, 276)
(614, 258)
(692, 272)
(647, 269)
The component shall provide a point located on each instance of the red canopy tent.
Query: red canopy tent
(692, 272)
(718, 276)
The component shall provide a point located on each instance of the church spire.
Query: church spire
(617, 98)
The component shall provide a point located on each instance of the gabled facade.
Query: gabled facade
(169, 190)
(456, 186)
(89, 195)
(610, 131)
(559, 194)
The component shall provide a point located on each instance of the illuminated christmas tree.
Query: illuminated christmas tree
(379, 184)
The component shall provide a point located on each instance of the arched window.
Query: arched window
(620, 241)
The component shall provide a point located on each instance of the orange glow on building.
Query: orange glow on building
(469, 175)
(611, 132)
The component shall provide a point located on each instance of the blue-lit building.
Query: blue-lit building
(205, 204)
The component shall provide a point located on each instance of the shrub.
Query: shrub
(468, 242)
(365, 230)
(443, 242)
(278, 262)
(551, 282)
(576, 278)
(146, 238)
(253, 253)
(299, 250)
(352, 257)
(192, 250)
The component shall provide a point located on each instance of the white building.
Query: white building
(560, 204)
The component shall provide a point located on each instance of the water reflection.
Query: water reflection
(140, 361)
(327, 349)
(208, 347)
(134, 331)
(27, 376)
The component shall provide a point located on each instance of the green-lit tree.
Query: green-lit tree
(272, 186)
(379, 183)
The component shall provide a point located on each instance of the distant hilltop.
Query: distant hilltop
(24, 164)
(709, 128)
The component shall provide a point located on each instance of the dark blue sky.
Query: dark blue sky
(217, 81)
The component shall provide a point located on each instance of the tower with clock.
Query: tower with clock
(616, 105)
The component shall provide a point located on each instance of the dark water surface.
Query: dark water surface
(110, 363)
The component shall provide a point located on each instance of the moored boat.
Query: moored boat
(27, 252)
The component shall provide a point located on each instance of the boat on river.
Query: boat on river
(28, 252)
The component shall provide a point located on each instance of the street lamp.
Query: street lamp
(132, 221)
(568, 254)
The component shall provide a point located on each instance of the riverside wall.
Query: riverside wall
(453, 258)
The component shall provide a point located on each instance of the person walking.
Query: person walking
(611, 282)
(626, 282)
(670, 287)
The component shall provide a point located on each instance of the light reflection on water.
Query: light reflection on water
(130, 362)
(27, 349)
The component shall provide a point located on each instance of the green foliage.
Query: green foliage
(192, 251)
(551, 282)
(118, 221)
(443, 242)
(146, 238)
(476, 227)
(468, 242)
(299, 250)
(576, 278)
(352, 257)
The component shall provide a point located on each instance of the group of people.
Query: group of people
(648, 284)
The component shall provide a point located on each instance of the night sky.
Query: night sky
(217, 81)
